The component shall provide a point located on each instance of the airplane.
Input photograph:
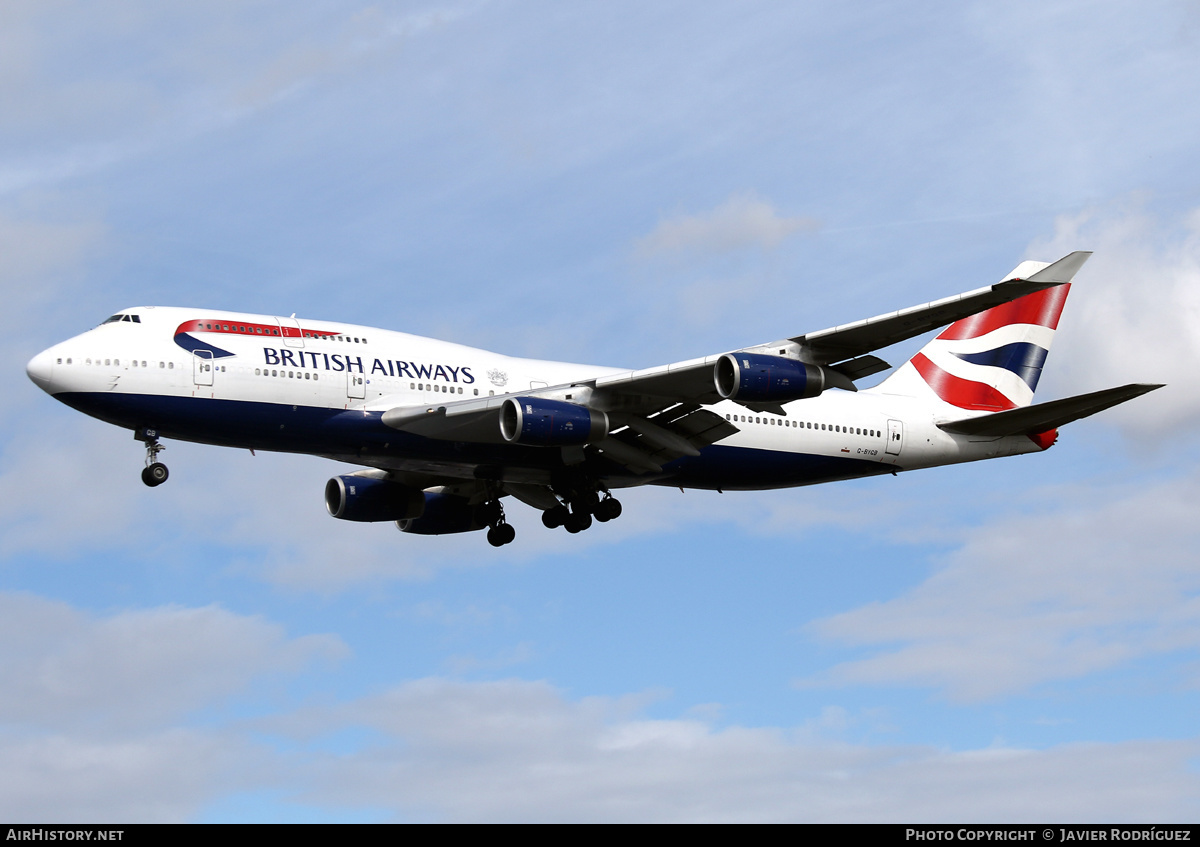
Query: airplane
(444, 431)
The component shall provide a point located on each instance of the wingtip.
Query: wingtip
(1064, 269)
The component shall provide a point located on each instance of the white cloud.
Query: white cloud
(92, 706)
(87, 697)
(1133, 314)
(141, 668)
(742, 221)
(518, 751)
(1055, 593)
(161, 777)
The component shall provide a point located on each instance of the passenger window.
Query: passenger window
(476, 392)
(170, 365)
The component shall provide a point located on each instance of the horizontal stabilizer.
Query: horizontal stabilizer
(1046, 416)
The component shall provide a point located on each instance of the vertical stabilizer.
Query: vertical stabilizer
(990, 361)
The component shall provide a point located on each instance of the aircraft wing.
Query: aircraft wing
(855, 339)
(844, 349)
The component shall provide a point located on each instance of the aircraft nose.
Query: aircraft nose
(40, 370)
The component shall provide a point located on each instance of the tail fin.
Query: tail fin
(990, 361)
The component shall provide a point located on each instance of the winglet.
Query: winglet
(1063, 270)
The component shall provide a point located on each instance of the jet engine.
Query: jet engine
(365, 498)
(444, 514)
(755, 378)
(550, 423)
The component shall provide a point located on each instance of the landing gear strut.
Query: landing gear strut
(500, 531)
(155, 473)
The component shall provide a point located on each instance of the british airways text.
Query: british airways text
(386, 367)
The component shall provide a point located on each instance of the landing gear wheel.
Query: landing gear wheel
(556, 517)
(608, 509)
(155, 474)
(578, 522)
(501, 534)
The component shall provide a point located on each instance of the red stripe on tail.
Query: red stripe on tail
(960, 392)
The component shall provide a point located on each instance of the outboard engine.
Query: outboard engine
(444, 514)
(550, 423)
(755, 378)
(365, 498)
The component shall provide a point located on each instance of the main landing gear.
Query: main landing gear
(581, 506)
(155, 473)
(500, 531)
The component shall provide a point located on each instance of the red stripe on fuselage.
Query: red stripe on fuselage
(244, 328)
(963, 393)
(1042, 308)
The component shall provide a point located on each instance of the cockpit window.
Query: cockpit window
(136, 319)
(115, 318)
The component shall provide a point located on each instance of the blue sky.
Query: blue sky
(627, 185)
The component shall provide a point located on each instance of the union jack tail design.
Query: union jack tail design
(988, 362)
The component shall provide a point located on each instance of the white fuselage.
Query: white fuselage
(300, 386)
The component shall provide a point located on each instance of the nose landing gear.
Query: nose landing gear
(155, 473)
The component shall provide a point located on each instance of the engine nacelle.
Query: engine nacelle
(365, 498)
(755, 378)
(550, 423)
(444, 514)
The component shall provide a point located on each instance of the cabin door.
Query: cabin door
(202, 367)
(289, 328)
